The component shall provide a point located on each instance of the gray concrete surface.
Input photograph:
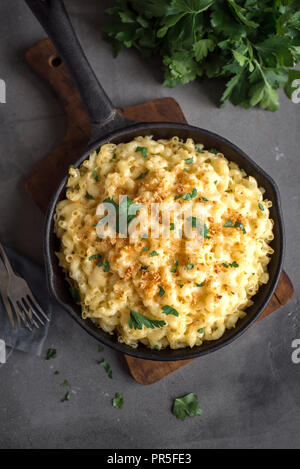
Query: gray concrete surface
(249, 391)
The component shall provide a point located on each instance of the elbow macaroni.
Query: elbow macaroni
(211, 285)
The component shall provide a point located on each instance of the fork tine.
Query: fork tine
(31, 311)
(20, 313)
(28, 313)
(37, 306)
(9, 312)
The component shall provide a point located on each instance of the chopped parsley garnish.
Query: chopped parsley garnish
(198, 150)
(118, 400)
(228, 224)
(182, 285)
(233, 264)
(51, 354)
(229, 190)
(106, 266)
(203, 199)
(153, 254)
(161, 290)
(144, 267)
(156, 347)
(214, 151)
(190, 196)
(200, 284)
(107, 367)
(142, 175)
(95, 256)
(201, 330)
(89, 196)
(100, 348)
(203, 230)
(189, 267)
(240, 226)
(216, 181)
(75, 294)
(175, 267)
(172, 226)
(146, 248)
(65, 383)
(95, 175)
(187, 405)
(177, 197)
(115, 156)
(189, 160)
(143, 150)
(169, 310)
(262, 208)
(66, 397)
(100, 263)
(137, 321)
(56, 372)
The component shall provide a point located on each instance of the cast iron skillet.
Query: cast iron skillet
(109, 126)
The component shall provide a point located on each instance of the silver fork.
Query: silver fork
(16, 293)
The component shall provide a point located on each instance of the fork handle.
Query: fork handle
(6, 261)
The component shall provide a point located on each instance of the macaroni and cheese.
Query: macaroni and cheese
(166, 290)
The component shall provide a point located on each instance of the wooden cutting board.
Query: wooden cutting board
(43, 59)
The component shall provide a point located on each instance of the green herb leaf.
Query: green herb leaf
(118, 400)
(107, 367)
(88, 196)
(106, 266)
(175, 267)
(261, 207)
(95, 256)
(65, 383)
(146, 248)
(144, 267)
(172, 226)
(51, 354)
(142, 175)
(143, 150)
(187, 405)
(228, 224)
(137, 321)
(189, 160)
(66, 397)
(201, 330)
(153, 254)
(189, 267)
(190, 196)
(95, 175)
(169, 310)
(200, 284)
(161, 290)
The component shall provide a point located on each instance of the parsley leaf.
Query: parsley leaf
(175, 267)
(261, 207)
(66, 397)
(253, 47)
(51, 354)
(137, 321)
(95, 175)
(161, 290)
(89, 196)
(107, 367)
(190, 196)
(118, 400)
(153, 254)
(142, 175)
(187, 405)
(189, 160)
(143, 150)
(169, 310)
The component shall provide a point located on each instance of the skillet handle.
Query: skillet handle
(55, 20)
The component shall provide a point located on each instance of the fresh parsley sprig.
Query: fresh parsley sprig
(253, 45)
